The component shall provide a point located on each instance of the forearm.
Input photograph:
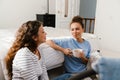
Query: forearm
(55, 46)
(66, 51)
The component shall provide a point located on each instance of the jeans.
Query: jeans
(64, 76)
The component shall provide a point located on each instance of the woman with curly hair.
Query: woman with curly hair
(24, 61)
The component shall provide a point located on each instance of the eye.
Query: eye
(72, 29)
(77, 29)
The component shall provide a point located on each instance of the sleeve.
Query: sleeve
(57, 41)
(44, 75)
(27, 67)
(89, 50)
(61, 41)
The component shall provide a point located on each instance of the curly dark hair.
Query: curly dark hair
(23, 39)
(79, 20)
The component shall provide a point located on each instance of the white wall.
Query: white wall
(14, 12)
(107, 26)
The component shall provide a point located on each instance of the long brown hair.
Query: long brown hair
(23, 39)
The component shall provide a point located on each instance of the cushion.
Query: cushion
(56, 32)
(6, 39)
(53, 58)
(1, 72)
(95, 56)
(93, 40)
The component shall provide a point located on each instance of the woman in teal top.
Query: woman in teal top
(73, 64)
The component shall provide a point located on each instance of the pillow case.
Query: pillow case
(56, 32)
(95, 56)
(53, 58)
(93, 40)
(6, 40)
(1, 72)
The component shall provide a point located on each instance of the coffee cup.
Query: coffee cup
(76, 52)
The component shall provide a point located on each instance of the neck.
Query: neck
(80, 40)
(37, 53)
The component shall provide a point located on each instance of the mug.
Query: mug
(76, 52)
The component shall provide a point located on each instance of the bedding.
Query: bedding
(6, 39)
(1, 73)
(52, 57)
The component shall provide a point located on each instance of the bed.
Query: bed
(53, 58)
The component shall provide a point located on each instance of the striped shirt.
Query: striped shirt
(26, 66)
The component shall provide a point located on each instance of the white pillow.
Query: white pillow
(53, 58)
(6, 40)
(93, 40)
(56, 32)
(94, 56)
(1, 72)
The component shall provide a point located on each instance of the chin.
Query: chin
(44, 40)
(75, 37)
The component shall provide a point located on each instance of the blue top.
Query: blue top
(73, 64)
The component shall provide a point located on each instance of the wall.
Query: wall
(14, 12)
(107, 26)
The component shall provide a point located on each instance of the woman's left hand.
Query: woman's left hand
(83, 58)
(81, 55)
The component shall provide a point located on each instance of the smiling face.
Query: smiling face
(76, 30)
(41, 37)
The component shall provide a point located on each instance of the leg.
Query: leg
(65, 76)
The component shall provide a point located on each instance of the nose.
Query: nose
(74, 31)
(45, 33)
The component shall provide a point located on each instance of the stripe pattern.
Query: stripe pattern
(26, 66)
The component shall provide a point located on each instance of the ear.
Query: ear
(34, 37)
(83, 30)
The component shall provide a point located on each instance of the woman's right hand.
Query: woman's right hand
(67, 51)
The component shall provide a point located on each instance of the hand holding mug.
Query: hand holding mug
(78, 53)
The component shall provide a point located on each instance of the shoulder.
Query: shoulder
(24, 56)
(24, 53)
(86, 41)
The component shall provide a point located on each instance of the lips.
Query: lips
(45, 38)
